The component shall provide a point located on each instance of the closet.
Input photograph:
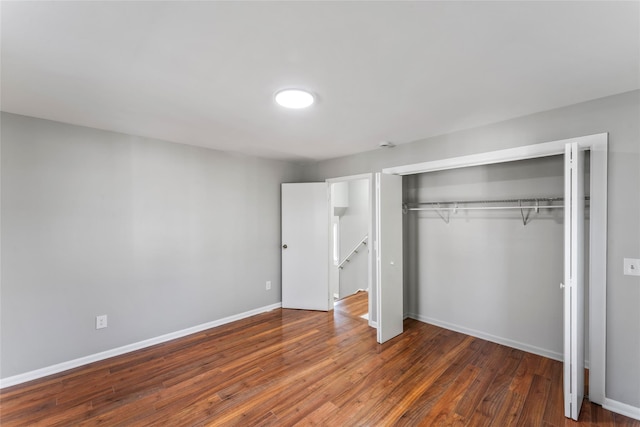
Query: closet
(435, 292)
(485, 251)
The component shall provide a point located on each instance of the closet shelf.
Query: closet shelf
(526, 204)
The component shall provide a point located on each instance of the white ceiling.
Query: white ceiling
(204, 73)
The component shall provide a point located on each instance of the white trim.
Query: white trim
(598, 144)
(489, 337)
(64, 366)
(621, 408)
(500, 156)
(349, 178)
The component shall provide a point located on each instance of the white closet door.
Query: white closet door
(389, 256)
(574, 281)
(305, 246)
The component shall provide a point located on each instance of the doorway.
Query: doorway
(350, 237)
(311, 210)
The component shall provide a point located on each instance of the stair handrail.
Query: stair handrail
(353, 251)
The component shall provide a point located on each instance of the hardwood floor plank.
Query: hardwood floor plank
(437, 384)
(296, 407)
(495, 396)
(510, 411)
(18, 403)
(295, 367)
(491, 357)
(442, 413)
(623, 421)
(600, 416)
(523, 377)
(554, 413)
(533, 409)
(27, 413)
(317, 417)
(387, 400)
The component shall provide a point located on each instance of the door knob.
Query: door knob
(284, 246)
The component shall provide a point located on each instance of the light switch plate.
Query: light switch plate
(631, 267)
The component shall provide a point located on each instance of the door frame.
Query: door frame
(371, 265)
(598, 146)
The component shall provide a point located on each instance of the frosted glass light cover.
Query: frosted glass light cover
(294, 98)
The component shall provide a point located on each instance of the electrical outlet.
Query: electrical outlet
(268, 284)
(632, 267)
(101, 321)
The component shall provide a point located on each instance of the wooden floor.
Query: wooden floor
(291, 367)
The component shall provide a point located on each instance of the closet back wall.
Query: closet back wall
(156, 235)
(485, 273)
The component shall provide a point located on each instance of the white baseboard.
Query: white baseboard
(489, 337)
(621, 408)
(64, 366)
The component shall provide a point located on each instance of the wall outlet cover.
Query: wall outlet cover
(101, 321)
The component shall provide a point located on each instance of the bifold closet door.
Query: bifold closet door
(389, 287)
(573, 280)
(305, 246)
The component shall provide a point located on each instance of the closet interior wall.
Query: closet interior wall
(485, 273)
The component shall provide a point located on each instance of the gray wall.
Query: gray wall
(156, 235)
(619, 116)
(354, 225)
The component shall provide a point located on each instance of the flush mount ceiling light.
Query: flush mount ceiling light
(294, 98)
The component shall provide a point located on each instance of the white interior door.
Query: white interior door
(305, 246)
(574, 281)
(389, 287)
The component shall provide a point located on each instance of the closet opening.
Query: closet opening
(576, 266)
(484, 251)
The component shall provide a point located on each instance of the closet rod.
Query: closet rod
(448, 207)
(454, 205)
(478, 208)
